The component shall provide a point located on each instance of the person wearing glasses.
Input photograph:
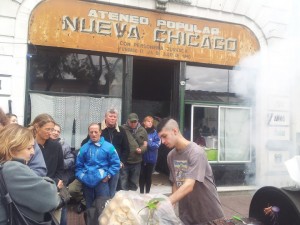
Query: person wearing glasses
(137, 138)
(42, 127)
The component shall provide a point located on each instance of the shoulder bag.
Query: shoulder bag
(14, 215)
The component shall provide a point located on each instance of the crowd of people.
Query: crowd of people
(39, 166)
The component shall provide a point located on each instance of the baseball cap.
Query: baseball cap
(133, 117)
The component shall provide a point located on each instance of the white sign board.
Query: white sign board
(279, 133)
(278, 119)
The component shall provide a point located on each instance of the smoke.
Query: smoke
(271, 78)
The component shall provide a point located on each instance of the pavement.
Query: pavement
(234, 203)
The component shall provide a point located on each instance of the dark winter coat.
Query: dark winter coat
(136, 138)
(53, 156)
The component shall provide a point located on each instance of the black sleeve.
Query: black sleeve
(60, 164)
(85, 140)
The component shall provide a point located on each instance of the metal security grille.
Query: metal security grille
(64, 110)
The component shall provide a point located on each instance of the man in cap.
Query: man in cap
(137, 138)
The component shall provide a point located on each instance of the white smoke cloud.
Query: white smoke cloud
(272, 78)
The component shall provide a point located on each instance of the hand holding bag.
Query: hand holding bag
(14, 215)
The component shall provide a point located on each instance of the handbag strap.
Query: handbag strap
(5, 197)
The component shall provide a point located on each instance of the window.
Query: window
(234, 135)
(75, 88)
(213, 85)
(218, 122)
(55, 70)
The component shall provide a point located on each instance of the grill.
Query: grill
(283, 206)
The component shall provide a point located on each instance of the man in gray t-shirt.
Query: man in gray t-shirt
(192, 177)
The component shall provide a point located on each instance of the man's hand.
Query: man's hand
(106, 179)
(138, 150)
(60, 184)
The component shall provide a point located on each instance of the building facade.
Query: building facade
(197, 61)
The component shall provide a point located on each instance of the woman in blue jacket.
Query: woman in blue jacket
(150, 156)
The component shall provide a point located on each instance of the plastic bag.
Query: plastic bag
(132, 208)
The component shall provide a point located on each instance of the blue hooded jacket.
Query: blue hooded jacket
(150, 156)
(95, 161)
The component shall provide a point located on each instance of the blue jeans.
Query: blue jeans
(129, 176)
(113, 182)
(90, 194)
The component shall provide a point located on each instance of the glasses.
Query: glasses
(49, 129)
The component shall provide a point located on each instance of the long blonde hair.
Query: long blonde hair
(13, 138)
(39, 121)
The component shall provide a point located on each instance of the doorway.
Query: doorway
(155, 92)
(152, 88)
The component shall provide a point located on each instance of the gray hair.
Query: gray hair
(112, 111)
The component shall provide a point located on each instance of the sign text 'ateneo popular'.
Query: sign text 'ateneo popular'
(106, 28)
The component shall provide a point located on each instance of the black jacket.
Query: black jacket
(54, 159)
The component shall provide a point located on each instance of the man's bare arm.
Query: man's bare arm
(182, 191)
(174, 188)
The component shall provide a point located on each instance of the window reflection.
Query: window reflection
(205, 130)
(56, 71)
(206, 79)
(206, 89)
(214, 85)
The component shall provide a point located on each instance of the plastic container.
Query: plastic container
(212, 154)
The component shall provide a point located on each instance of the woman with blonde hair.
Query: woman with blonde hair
(42, 127)
(33, 195)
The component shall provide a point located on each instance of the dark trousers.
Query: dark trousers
(129, 176)
(113, 182)
(90, 194)
(146, 177)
